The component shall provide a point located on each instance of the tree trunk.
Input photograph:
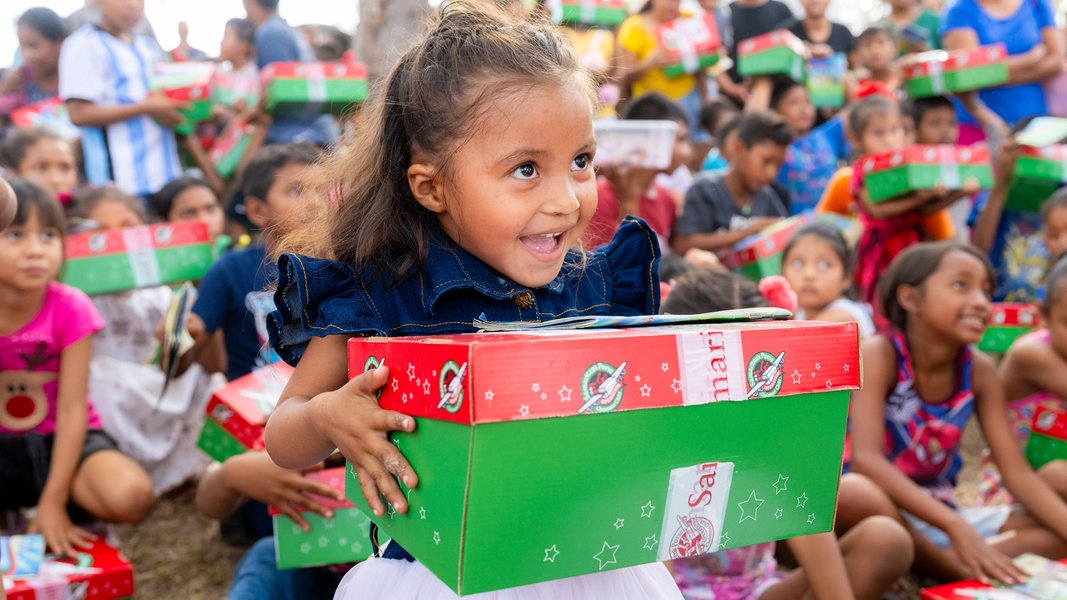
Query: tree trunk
(386, 28)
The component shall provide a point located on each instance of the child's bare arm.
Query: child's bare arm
(898, 206)
(717, 240)
(321, 410)
(985, 227)
(820, 557)
(1031, 366)
(157, 106)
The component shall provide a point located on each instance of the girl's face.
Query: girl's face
(954, 300)
(232, 48)
(884, 132)
(815, 8)
(113, 214)
(198, 203)
(1055, 232)
(30, 254)
(666, 10)
(50, 164)
(796, 109)
(39, 53)
(1056, 321)
(120, 16)
(521, 189)
(815, 272)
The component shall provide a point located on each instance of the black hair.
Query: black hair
(268, 4)
(14, 148)
(46, 22)
(764, 127)
(1057, 200)
(913, 267)
(923, 106)
(673, 266)
(909, 111)
(727, 128)
(1054, 283)
(861, 112)
(161, 202)
(31, 196)
(872, 32)
(258, 175)
(782, 86)
(712, 112)
(654, 106)
(243, 29)
(88, 199)
(827, 233)
(711, 289)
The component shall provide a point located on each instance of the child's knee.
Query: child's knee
(887, 542)
(858, 499)
(136, 499)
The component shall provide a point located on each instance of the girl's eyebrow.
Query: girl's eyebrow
(531, 153)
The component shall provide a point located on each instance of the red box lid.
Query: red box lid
(23, 117)
(335, 478)
(1057, 152)
(779, 37)
(111, 576)
(925, 154)
(145, 237)
(950, 60)
(229, 140)
(313, 70)
(243, 405)
(1052, 423)
(769, 242)
(1014, 315)
(689, 36)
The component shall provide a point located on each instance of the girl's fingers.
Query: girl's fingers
(390, 420)
(370, 493)
(81, 538)
(320, 489)
(287, 510)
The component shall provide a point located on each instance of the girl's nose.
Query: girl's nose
(564, 199)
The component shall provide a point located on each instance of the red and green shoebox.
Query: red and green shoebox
(189, 82)
(343, 539)
(941, 72)
(1038, 173)
(1048, 437)
(690, 43)
(1007, 323)
(546, 455)
(1046, 582)
(330, 87)
(777, 52)
(99, 573)
(588, 12)
(760, 255)
(890, 174)
(50, 114)
(228, 88)
(237, 413)
(103, 262)
(229, 148)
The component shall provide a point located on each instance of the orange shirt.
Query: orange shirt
(837, 198)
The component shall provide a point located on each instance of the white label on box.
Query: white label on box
(142, 255)
(712, 365)
(695, 507)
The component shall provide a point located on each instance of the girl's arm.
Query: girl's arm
(1032, 366)
(895, 207)
(868, 435)
(157, 106)
(719, 240)
(820, 557)
(71, 425)
(1038, 64)
(984, 233)
(321, 410)
(759, 97)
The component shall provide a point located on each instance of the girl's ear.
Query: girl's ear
(909, 297)
(426, 186)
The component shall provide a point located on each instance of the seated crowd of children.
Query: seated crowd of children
(96, 424)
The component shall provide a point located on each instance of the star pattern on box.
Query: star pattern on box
(676, 385)
(434, 372)
(324, 541)
(818, 366)
(342, 541)
(829, 384)
(778, 513)
(606, 556)
(813, 374)
(637, 378)
(846, 367)
(437, 537)
(411, 372)
(329, 523)
(802, 500)
(488, 395)
(536, 387)
(796, 376)
(619, 523)
(305, 548)
(524, 410)
(544, 396)
(395, 384)
(780, 485)
(418, 382)
(551, 553)
(646, 510)
(664, 367)
(811, 518)
(404, 397)
(426, 387)
(650, 542)
(564, 394)
(422, 513)
(724, 539)
(751, 504)
(646, 391)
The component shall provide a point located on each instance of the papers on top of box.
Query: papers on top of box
(597, 322)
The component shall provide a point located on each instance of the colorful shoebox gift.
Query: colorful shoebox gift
(189, 82)
(691, 43)
(940, 72)
(21, 555)
(102, 262)
(549, 454)
(625, 143)
(588, 12)
(237, 413)
(1048, 437)
(826, 81)
(1047, 581)
(760, 255)
(229, 148)
(1007, 323)
(775, 53)
(231, 88)
(343, 539)
(318, 86)
(50, 114)
(1038, 173)
(891, 174)
(99, 573)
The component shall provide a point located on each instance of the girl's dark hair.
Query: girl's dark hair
(46, 22)
(1055, 281)
(711, 289)
(782, 86)
(15, 147)
(161, 202)
(1055, 201)
(713, 111)
(673, 266)
(243, 29)
(433, 99)
(764, 127)
(86, 200)
(32, 196)
(912, 267)
(654, 106)
(827, 233)
(859, 115)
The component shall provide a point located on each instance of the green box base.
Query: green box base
(976, 78)
(890, 183)
(775, 61)
(343, 539)
(677, 70)
(772, 265)
(218, 443)
(998, 339)
(512, 503)
(1042, 449)
(227, 166)
(602, 15)
(1034, 180)
(291, 96)
(113, 272)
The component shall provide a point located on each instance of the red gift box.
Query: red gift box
(931, 62)
(99, 573)
(242, 406)
(772, 39)
(1014, 315)
(691, 43)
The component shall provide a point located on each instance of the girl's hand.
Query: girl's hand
(351, 419)
(61, 535)
(255, 475)
(985, 562)
(1004, 167)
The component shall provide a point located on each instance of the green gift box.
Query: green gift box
(588, 12)
(891, 174)
(189, 82)
(691, 43)
(103, 262)
(343, 539)
(293, 87)
(1038, 173)
(941, 72)
(1007, 323)
(775, 53)
(229, 148)
(237, 412)
(550, 454)
(760, 255)
(826, 81)
(230, 88)
(218, 443)
(1048, 437)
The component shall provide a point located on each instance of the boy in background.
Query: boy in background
(723, 210)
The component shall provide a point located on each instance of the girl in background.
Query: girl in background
(43, 157)
(40, 33)
(189, 199)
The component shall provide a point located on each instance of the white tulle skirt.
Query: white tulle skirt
(390, 579)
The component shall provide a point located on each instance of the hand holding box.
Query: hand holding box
(888, 175)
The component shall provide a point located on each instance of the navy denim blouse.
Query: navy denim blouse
(317, 297)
